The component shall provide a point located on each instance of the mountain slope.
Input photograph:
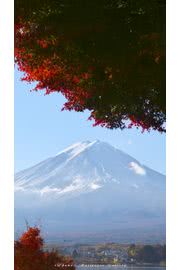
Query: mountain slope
(92, 185)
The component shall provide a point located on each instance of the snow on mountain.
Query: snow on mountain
(93, 183)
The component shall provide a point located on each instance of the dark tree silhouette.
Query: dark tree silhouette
(107, 56)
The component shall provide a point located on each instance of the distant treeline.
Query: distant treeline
(147, 253)
(115, 253)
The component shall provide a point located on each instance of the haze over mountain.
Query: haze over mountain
(92, 190)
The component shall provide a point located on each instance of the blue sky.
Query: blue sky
(42, 130)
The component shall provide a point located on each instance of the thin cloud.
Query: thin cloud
(137, 168)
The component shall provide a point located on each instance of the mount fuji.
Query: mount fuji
(92, 190)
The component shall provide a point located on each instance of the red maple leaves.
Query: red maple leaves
(117, 74)
(30, 255)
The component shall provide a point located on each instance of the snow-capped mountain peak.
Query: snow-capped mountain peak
(91, 179)
(77, 148)
(85, 167)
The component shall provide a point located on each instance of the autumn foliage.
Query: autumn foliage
(29, 254)
(104, 56)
